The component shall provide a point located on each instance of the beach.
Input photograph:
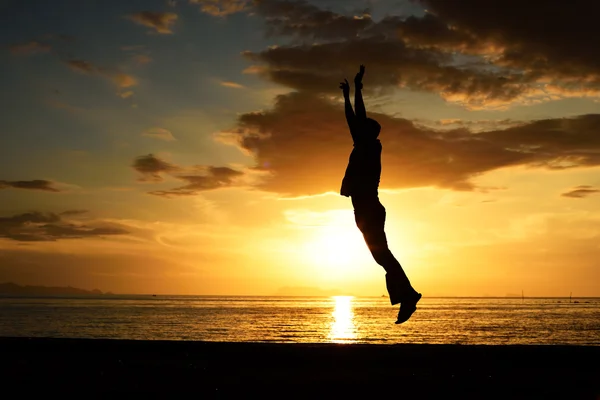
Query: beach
(90, 367)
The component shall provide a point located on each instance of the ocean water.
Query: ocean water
(305, 319)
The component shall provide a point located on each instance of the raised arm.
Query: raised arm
(350, 117)
(361, 112)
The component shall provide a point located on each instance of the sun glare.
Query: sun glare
(333, 250)
(342, 329)
(336, 250)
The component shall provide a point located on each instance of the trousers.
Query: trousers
(370, 220)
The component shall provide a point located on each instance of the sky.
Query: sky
(198, 146)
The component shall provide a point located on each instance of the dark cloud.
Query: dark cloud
(303, 142)
(479, 54)
(197, 178)
(43, 227)
(82, 66)
(152, 168)
(581, 191)
(465, 51)
(212, 178)
(561, 57)
(299, 18)
(74, 212)
(521, 31)
(161, 22)
(36, 184)
(391, 64)
(332, 45)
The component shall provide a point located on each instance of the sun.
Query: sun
(337, 250)
(332, 249)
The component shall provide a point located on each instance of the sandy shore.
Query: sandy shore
(238, 370)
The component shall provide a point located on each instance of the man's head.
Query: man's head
(371, 128)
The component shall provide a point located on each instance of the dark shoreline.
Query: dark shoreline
(90, 367)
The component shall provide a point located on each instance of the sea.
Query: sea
(337, 319)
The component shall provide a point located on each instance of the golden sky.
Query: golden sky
(198, 146)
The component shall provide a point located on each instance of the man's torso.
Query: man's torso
(364, 171)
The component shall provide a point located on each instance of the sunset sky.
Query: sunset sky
(198, 146)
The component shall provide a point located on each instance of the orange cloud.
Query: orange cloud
(161, 22)
(254, 69)
(159, 133)
(303, 143)
(121, 80)
(232, 85)
(126, 94)
(221, 8)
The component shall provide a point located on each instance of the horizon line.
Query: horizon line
(288, 296)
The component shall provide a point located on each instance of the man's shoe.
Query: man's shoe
(408, 307)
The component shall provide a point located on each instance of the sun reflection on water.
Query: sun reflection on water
(343, 329)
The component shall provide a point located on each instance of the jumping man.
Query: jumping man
(361, 183)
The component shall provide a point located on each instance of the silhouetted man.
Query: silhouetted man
(361, 183)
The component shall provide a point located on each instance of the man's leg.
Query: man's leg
(371, 223)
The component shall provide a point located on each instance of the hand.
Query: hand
(345, 88)
(359, 76)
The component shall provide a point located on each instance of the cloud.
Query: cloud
(304, 144)
(473, 125)
(196, 179)
(43, 227)
(562, 57)
(36, 184)
(318, 67)
(220, 8)
(30, 48)
(159, 133)
(142, 59)
(126, 94)
(581, 191)
(448, 51)
(302, 19)
(232, 85)
(74, 212)
(159, 21)
(152, 168)
(119, 79)
(123, 80)
(139, 54)
(209, 178)
(254, 69)
(81, 66)
(523, 42)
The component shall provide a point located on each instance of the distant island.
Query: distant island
(10, 288)
(301, 291)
